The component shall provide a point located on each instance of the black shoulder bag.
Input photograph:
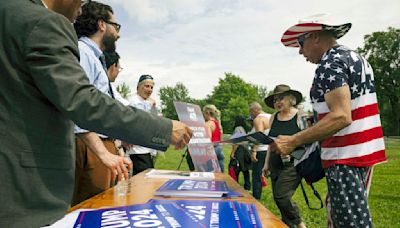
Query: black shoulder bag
(311, 170)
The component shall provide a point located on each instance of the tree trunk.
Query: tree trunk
(395, 106)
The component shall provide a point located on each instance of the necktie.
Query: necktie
(111, 90)
(103, 62)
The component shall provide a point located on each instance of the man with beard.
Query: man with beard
(97, 31)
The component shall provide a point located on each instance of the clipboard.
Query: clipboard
(256, 138)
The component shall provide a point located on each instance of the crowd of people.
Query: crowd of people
(61, 117)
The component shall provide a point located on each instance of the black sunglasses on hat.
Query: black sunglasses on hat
(302, 38)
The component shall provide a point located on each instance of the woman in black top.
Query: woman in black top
(284, 177)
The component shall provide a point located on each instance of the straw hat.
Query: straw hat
(283, 89)
(314, 23)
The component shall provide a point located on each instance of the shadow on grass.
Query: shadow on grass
(385, 197)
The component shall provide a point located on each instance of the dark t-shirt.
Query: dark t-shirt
(288, 127)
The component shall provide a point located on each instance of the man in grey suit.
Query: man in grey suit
(42, 90)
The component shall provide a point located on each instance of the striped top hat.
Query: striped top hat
(314, 23)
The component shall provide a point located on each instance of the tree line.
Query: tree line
(231, 96)
(382, 49)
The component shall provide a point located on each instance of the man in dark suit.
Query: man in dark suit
(42, 90)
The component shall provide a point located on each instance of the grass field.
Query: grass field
(384, 199)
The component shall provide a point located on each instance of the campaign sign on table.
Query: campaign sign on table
(141, 215)
(218, 213)
(193, 188)
(200, 147)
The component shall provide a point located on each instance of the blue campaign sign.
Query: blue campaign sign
(142, 215)
(195, 185)
(217, 213)
(193, 188)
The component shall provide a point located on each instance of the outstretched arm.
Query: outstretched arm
(115, 163)
(338, 117)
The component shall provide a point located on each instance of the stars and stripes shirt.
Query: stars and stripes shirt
(361, 143)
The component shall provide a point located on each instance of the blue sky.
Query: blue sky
(196, 41)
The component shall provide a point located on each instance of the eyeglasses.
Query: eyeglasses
(114, 24)
(278, 97)
(84, 2)
(302, 38)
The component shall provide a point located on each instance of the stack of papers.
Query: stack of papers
(171, 174)
(193, 188)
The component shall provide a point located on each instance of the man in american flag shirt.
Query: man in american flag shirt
(349, 128)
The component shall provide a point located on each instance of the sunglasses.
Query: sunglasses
(278, 97)
(114, 24)
(302, 38)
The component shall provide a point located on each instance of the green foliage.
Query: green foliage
(263, 93)
(383, 198)
(199, 102)
(170, 94)
(382, 49)
(232, 96)
(124, 90)
(236, 106)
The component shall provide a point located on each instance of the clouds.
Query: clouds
(162, 12)
(196, 41)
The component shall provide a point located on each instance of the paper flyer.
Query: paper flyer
(173, 174)
(255, 138)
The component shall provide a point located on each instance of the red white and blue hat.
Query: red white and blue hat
(315, 23)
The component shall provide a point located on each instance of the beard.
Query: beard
(109, 42)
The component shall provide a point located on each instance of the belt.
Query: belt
(288, 163)
(107, 139)
(102, 139)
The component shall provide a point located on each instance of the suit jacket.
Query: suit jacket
(43, 88)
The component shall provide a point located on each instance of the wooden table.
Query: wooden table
(139, 189)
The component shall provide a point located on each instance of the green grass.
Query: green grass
(384, 199)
